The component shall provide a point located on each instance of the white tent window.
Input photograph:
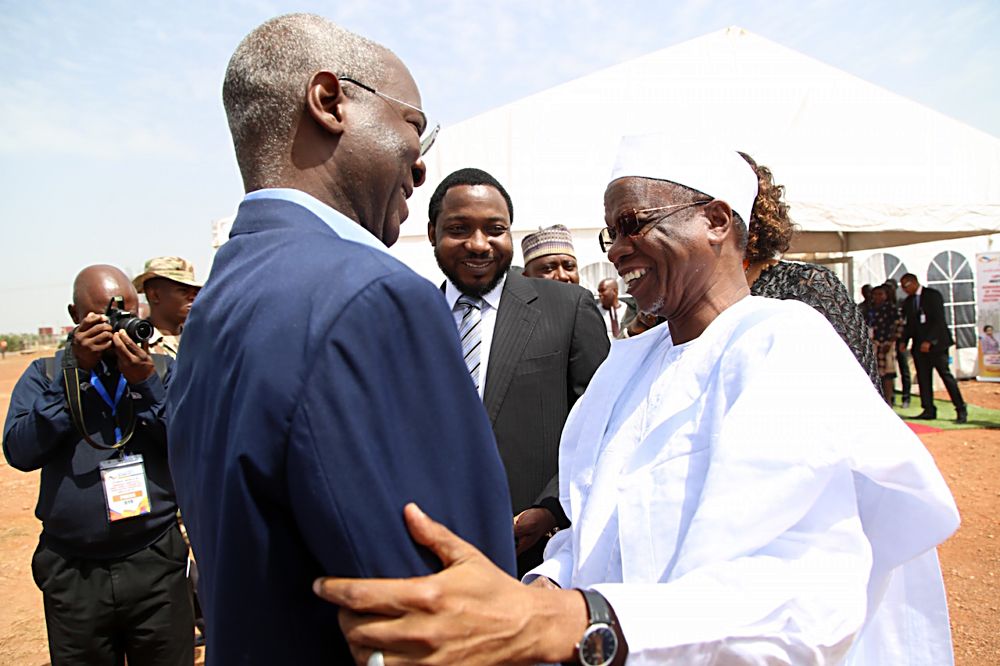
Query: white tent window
(592, 275)
(950, 273)
(880, 267)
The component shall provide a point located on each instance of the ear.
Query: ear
(432, 233)
(71, 308)
(720, 221)
(325, 102)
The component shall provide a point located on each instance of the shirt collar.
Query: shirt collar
(492, 298)
(342, 225)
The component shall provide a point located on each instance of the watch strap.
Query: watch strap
(598, 609)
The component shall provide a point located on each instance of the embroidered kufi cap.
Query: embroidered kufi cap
(556, 239)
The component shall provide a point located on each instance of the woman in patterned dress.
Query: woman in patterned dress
(770, 234)
(885, 332)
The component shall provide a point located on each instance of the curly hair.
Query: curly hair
(770, 228)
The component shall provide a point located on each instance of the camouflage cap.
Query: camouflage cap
(171, 268)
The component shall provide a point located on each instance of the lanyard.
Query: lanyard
(95, 381)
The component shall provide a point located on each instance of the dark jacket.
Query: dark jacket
(933, 328)
(39, 434)
(548, 342)
(320, 388)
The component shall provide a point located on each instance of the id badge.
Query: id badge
(125, 492)
(923, 318)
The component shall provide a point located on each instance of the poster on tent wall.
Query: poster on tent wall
(988, 300)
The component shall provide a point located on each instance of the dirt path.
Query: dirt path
(969, 459)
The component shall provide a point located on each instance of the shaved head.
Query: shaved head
(95, 286)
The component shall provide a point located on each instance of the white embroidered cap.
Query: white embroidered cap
(712, 170)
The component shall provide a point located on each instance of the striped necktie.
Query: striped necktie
(469, 332)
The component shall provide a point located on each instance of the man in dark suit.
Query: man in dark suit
(531, 345)
(927, 327)
(321, 388)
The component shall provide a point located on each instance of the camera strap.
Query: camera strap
(71, 378)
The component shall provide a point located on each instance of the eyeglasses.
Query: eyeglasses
(427, 138)
(629, 224)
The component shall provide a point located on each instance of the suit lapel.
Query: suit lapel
(516, 320)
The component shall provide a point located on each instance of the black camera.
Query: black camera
(140, 330)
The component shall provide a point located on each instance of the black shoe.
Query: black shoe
(926, 416)
(906, 403)
(961, 416)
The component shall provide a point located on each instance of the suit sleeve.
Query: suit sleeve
(588, 349)
(937, 326)
(390, 416)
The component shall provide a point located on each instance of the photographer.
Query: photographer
(110, 561)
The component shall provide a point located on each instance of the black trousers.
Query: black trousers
(99, 612)
(926, 363)
(903, 369)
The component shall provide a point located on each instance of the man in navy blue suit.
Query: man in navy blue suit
(321, 387)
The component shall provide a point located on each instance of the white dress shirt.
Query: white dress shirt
(344, 226)
(491, 302)
(620, 309)
(734, 513)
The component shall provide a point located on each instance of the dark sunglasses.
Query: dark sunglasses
(629, 224)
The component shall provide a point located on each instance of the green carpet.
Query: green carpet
(979, 417)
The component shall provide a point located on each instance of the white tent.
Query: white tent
(864, 168)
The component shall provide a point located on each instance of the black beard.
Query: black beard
(471, 290)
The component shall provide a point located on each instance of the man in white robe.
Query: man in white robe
(727, 506)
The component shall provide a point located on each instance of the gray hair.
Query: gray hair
(265, 85)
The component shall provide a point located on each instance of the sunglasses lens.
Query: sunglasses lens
(628, 223)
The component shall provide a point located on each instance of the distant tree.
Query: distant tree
(14, 342)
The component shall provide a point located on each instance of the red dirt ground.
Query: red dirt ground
(969, 459)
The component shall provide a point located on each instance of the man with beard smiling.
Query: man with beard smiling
(721, 514)
(531, 345)
(300, 429)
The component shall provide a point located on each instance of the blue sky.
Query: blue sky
(116, 148)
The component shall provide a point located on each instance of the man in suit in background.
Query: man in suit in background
(927, 327)
(616, 312)
(300, 429)
(531, 345)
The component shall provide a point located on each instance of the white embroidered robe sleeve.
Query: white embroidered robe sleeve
(757, 506)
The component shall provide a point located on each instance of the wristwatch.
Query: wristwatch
(602, 643)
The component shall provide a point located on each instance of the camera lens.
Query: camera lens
(139, 330)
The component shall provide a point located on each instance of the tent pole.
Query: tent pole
(849, 273)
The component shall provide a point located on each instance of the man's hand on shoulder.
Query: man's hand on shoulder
(470, 613)
(134, 362)
(91, 338)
